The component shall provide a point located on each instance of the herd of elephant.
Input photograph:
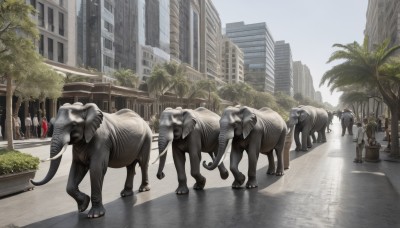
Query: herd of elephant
(123, 139)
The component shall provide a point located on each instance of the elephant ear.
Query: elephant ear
(249, 121)
(303, 114)
(189, 122)
(93, 118)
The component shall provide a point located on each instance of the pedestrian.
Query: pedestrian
(44, 128)
(28, 126)
(17, 127)
(360, 143)
(35, 126)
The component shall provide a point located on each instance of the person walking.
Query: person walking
(44, 128)
(17, 127)
(360, 143)
(35, 126)
(28, 126)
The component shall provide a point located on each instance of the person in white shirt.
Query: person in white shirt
(360, 143)
(28, 125)
(35, 126)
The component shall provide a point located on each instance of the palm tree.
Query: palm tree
(210, 86)
(158, 83)
(356, 99)
(369, 68)
(237, 92)
(195, 91)
(180, 87)
(126, 78)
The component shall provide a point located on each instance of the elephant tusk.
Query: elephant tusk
(227, 150)
(168, 148)
(59, 154)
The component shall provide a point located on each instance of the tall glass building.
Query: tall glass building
(283, 68)
(257, 43)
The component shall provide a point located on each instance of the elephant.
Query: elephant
(99, 140)
(245, 128)
(347, 121)
(192, 131)
(307, 120)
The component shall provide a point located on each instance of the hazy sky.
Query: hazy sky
(310, 26)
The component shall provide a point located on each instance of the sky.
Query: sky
(310, 26)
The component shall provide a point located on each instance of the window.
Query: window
(41, 45)
(108, 6)
(61, 3)
(60, 51)
(108, 61)
(41, 15)
(50, 48)
(108, 44)
(50, 19)
(33, 3)
(108, 26)
(61, 24)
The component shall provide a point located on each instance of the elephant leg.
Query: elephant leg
(309, 143)
(236, 156)
(271, 163)
(314, 140)
(130, 174)
(144, 165)
(195, 158)
(350, 129)
(76, 175)
(279, 155)
(323, 135)
(98, 169)
(296, 138)
(223, 172)
(179, 160)
(343, 130)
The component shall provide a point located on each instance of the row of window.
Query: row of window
(50, 49)
(50, 18)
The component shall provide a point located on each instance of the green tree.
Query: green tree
(18, 54)
(127, 78)
(180, 86)
(373, 68)
(285, 101)
(240, 93)
(158, 83)
(69, 78)
(209, 86)
(195, 91)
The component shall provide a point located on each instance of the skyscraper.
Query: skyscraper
(257, 43)
(283, 68)
(232, 62)
(303, 81)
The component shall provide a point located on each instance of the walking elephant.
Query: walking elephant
(99, 140)
(347, 121)
(244, 128)
(192, 131)
(307, 120)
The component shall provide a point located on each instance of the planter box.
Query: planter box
(372, 153)
(16, 182)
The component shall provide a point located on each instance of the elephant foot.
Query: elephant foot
(182, 189)
(304, 149)
(224, 174)
(144, 188)
(309, 146)
(252, 183)
(84, 203)
(297, 149)
(271, 171)
(199, 185)
(323, 141)
(96, 211)
(238, 182)
(279, 172)
(126, 192)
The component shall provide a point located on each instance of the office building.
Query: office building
(232, 62)
(283, 68)
(303, 81)
(257, 44)
(318, 96)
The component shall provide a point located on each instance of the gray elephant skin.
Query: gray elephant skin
(256, 131)
(99, 140)
(307, 120)
(192, 131)
(347, 121)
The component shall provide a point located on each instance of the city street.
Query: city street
(322, 188)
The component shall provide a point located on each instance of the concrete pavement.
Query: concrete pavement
(322, 188)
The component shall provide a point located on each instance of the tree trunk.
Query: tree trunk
(9, 122)
(18, 105)
(394, 151)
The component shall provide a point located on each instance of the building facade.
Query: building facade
(318, 97)
(232, 62)
(283, 68)
(257, 44)
(302, 80)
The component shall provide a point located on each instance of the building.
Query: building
(318, 97)
(383, 22)
(257, 44)
(232, 62)
(283, 68)
(302, 80)
(210, 38)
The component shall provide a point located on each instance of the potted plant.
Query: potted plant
(16, 169)
(372, 146)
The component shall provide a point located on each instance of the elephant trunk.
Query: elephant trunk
(55, 148)
(223, 148)
(164, 144)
